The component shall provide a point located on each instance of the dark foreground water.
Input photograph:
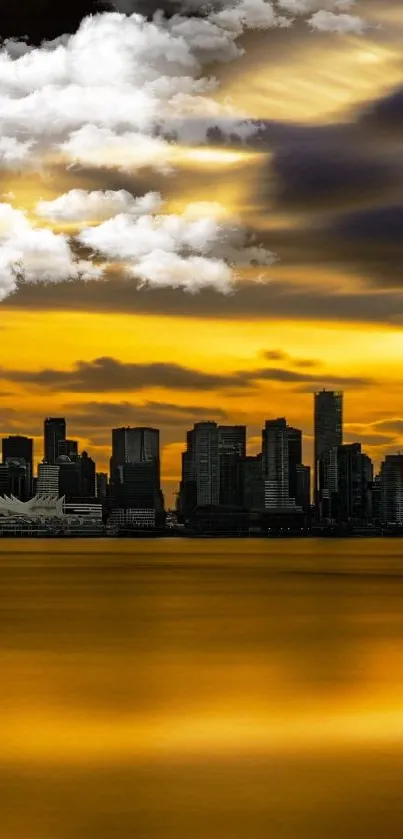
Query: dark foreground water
(201, 689)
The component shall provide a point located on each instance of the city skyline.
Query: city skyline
(231, 437)
(315, 195)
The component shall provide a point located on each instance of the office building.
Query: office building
(232, 439)
(328, 432)
(20, 450)
(347, 475)
(135, 462)
(207, 462)
(200, 485)
(68, 448)
(101, 486)
(54, 434)
(303, 487)
(188, 485)
(70, 479)
(134, 445)
(294, 437)
(48, 479)
(252, 482)
(88, 473)
(232, 448)
(275, 463)
(391, 489)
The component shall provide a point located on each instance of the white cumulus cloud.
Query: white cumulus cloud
(203, 246)
(35, 254)
(119, 84)
(342, 24)
(80, 205)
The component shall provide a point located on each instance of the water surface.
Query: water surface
(186, 689)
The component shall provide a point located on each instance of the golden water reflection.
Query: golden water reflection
(201, 690)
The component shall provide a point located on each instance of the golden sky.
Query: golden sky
(320, 186)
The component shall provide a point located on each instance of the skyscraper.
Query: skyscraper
(232, 439)
(275, 463)
(88, 473)
(201, 467)
(294, 436)
(232, 449)
(68, 448)
(70, 483)
(134, 446)
(328, 431)
(347, 483)
(391, 482)
(48, 479)
(20, 449)
(54, 433)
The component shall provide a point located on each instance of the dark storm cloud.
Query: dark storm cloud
(311, 176)
(279, 355)
(109, 374)
(93, 415)
(393, 425)
(274, 300)
(385, 115)
(380, 224)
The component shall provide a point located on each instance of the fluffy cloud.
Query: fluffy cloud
(198, 249)
(189, 251)
(112, 89)
(14, 153)
(79, 205)
(329, 22)
(35, 254)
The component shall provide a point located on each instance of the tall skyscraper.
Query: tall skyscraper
(201, 467)
(134, 446)
(294, 436)
(101, 483)
(88, 473)
(54, 433)
(328, 431)
(252, 482)
(188, 485)
(347, 483)
(275, 463)
(207, 460)
(391, 489)
(20, 449)
(232, 449)
(232, 439)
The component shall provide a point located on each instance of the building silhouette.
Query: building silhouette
(54, 434)
(252, 482)
(20, 450)
(68, 448)
(347, 483)
(206, 452)
(275, 460)
(328, 419)
(135, 469)
(391, 489)
(48, 479)
(232, 449)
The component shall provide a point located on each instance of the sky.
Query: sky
(200, 218)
